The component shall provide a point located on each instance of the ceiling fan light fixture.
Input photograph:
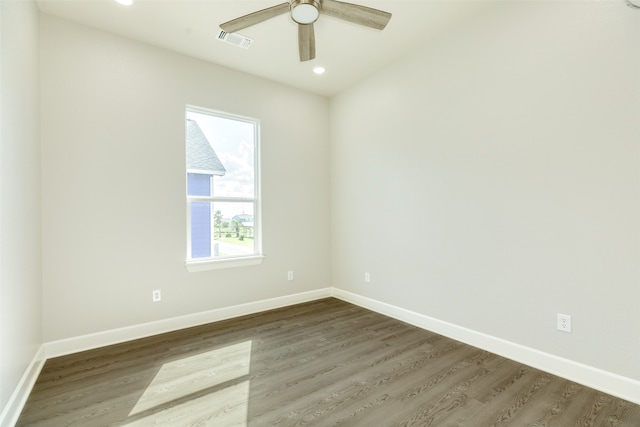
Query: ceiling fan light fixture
(305, 11)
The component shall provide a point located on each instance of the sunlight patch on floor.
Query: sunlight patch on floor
(227, 407)
(176, 380)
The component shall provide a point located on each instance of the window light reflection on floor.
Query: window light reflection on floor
(173, 394)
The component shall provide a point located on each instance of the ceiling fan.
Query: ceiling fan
(305, 13)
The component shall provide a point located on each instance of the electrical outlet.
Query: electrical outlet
(367, 278)
(290, 275)
(564, 322)
(156, 295)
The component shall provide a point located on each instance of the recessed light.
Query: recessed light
(125, 2)
(319, 70)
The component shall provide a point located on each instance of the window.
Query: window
(223, 197)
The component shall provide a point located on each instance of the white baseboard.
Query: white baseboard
(115, 336)
(13, 408)
(607, 382)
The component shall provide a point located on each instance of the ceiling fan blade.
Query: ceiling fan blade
(306, 42)
(355, 13)
(254, 18)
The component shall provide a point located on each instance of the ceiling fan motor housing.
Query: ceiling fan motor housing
(305, 11)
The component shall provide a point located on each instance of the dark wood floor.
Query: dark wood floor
(324, 363)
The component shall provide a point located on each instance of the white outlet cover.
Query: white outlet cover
(564, 322)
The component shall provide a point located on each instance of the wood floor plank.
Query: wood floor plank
(322, 363)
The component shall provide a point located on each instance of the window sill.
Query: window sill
(219, 264)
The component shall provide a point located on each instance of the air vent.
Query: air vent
(235, 39)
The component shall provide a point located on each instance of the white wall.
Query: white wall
(20, 272)
(492, 180)
(113, 165)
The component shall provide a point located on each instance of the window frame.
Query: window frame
(215, 263)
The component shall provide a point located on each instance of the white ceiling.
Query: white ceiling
(347, 51)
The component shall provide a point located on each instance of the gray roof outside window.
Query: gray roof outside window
(200, 155)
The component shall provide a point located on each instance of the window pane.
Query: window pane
(233, 228)
(233, 142)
